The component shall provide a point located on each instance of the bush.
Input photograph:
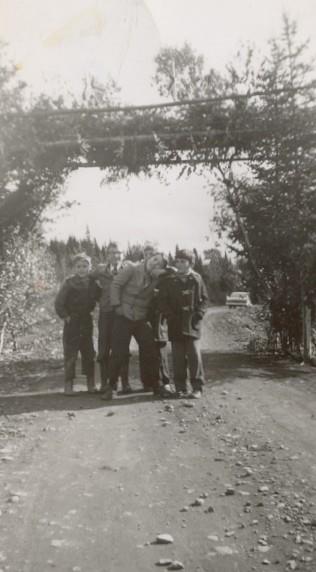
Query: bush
(26, 273)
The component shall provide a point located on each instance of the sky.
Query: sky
(56, 43)
(140, 210)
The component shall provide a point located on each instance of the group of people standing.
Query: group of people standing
(148, 300)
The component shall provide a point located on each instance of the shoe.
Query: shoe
(167, 391)
(126, 390)
(91, 383)
(91, 388)
(181, 394)
(69, 387)
(157, 393)
(107, 395)
(195, 394)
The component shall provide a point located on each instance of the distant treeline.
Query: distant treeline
(220, 273)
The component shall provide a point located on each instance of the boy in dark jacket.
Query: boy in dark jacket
(160, 329)
(183, 299)
(74, 303)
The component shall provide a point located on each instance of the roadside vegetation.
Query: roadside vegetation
(259, 144)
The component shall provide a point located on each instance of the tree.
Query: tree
(179, 72)
(271, 135)
(271, 208)
(134, 252)
(29, 273)
(198, 262)
(26, 186)
(220, 274)
(31, 175)
(267, 203)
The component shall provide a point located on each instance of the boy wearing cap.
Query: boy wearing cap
(183, 300)
(74, 303)
(150, 249)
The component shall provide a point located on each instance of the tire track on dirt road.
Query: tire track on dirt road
(95, 483)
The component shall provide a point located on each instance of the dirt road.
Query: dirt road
(87, 486)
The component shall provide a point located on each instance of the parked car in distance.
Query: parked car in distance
(238, 299)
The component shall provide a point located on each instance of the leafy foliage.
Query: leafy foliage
(271, 211)
(266, 207)
(180, 72)
(134, 252)
(221, 276)
(33, 170)
(25, 276)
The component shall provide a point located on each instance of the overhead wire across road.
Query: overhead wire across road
(157, 137)
(152, 106)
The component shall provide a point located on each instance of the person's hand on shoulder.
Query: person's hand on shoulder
(196, 319)
(156, 272)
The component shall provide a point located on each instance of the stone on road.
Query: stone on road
(106, 488)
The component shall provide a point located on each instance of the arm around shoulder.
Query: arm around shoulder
(163, 298)
(119, 282)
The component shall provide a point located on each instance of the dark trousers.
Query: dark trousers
(77, 337)
(105, 327)
(186, 353)
(141, 330)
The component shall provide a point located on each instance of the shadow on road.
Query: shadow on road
(30, 403)
(37, 386)
(225, 368)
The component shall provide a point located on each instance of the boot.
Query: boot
(167, 390)
(69, 387)
(108, 394)
(126, 389)
(103, 375)
(196, 392)
(103, 387)
(91, 384)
